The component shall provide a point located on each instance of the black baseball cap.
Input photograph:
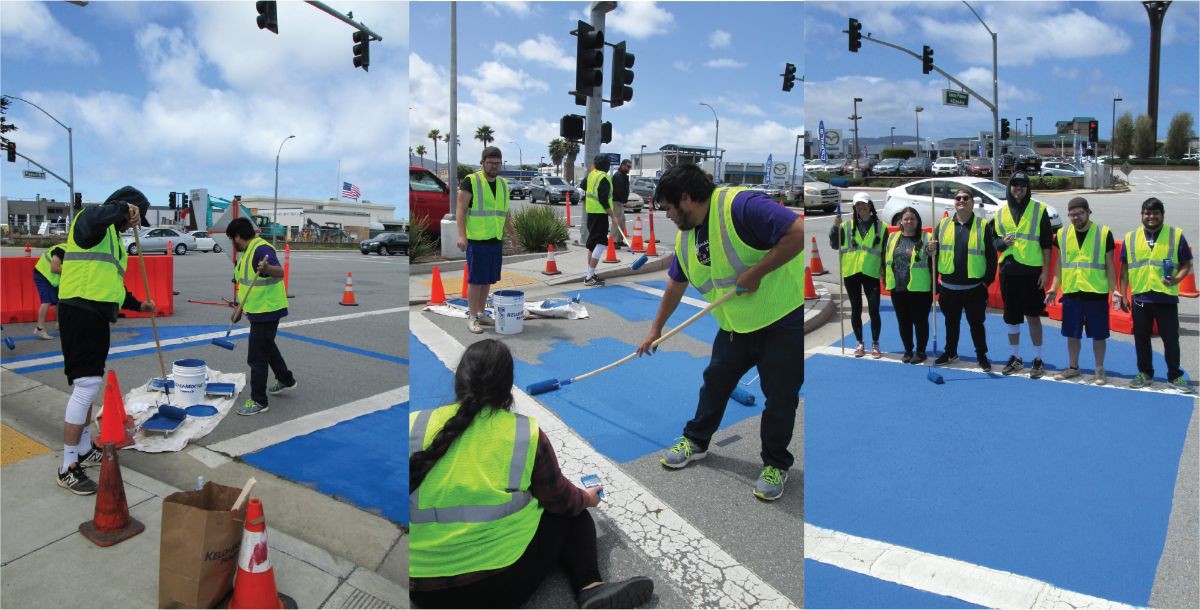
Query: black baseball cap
(1019, 179)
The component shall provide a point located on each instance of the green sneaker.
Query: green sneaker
(1182, 385)
(1141, 381)
(278, 388)
(252, 408)
(770, 483)
(681, 454)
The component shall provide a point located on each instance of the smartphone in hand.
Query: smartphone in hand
(590, 480)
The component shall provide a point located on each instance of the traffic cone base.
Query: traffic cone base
(348, 293)
(638, 244)
(810, 289)
(551, 265)
(817, 267)
(111, 522)
(254, 586)
(651, 249)
(438, 294)
(611, 255)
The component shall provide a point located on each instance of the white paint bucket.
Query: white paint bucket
(190, 376)
(510, 311)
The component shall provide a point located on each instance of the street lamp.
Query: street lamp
(642, 161)
(918, 110)
(275, 214)
(855, 118)
(520, 155)
(1029, 131)
(893, 137)
(70, 151)
(716, 137)
(1112, 134)
(995, 97)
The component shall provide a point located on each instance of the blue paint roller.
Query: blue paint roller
(743, 397)
(637, 264)
(171, 412)
(930, 374)
(225, 342)
(10, 343)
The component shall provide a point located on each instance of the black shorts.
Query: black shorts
(1022, 297)
(84, 336)
(597, 226)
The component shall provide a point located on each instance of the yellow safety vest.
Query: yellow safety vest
(1026, 247)
(96, 273)
(269, 293)
(473, 511)
(976, 248)
(1083, 265)
(918, 265)
(780, 292)
(592, 197)
(486, 214)
(858, 252)
(1146, 265)
(43, 267)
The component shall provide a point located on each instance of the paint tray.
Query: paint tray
(167, 420)
(220, 389)
(201, 411)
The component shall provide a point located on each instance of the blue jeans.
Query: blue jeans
(778, 352)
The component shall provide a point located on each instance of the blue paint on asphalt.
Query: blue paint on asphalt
(363, 461)
(1120, 358)
(435, 387)
(1064, 483)
(636, 306)
(345, 348)
(133, 336)
(826, 586)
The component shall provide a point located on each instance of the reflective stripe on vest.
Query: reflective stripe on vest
(96, 273)
(592, 195)
(43, 266)
(269, 293)
(1146, 265)
(918, 274)
(1026, 247)
(486, 214)
(859, 255)
(976, 260)
(1083, 265)
(780, 292)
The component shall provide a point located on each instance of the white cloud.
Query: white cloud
(513, 7)
(543, 50)
(30, 30)
(1067, 73)
(724, 62)
(719, 39)
(682, 66)
(640, 20)
(1025, 39)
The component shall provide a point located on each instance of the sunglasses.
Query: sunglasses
(962, 198)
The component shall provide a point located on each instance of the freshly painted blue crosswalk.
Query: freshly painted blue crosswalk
(826, 586)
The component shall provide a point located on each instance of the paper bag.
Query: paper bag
(198, 552)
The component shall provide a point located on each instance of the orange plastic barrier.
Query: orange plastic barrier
(19, 300)
(160, 270)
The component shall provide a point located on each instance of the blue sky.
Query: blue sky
(1058, 60)
(171, 96)
(516, 62)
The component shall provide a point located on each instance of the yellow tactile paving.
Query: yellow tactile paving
(450, 281)
(15, 446)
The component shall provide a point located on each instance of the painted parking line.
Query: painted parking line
(345, 348)
(828, 586)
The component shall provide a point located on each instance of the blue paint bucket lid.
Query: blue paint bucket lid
(201, 410)
(190, 363)
(508, 294)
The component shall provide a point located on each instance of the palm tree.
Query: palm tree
(421, 153)
(572, 150)
(434, 134)
(485, 134)
(557, 150)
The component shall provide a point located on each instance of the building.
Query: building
(27, 216)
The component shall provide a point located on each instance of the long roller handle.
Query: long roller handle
(242, 302)
(162, 367)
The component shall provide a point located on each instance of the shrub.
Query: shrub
(421, 244)
(538, 227)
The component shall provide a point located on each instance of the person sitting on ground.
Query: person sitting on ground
(491, 513)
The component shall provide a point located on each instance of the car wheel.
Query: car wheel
(180, 249)
(382, 250)
(132, 249)
(217, 248)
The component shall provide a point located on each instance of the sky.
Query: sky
(516, 63)
(1057, 61)
(170, 96)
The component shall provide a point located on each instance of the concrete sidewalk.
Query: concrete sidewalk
(45, 562)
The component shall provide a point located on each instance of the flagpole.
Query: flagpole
(338, 193)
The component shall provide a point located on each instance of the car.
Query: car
(1022, 158)
(635, 203)
(979, 166)
(156, 239)
(945, 166)
(644, 186)
(915, 166)
(385, 244)
(887, 167)
(813, 165)
(770, 190)
(518, 189)
(428, 198)
(204, 243)
(819, 195)
(552, 189)
(988, 195)
(1059, 168)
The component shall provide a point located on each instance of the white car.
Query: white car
(157, 239)
(204, 243)
(1059, 168)
(945, 166)
(988, 196)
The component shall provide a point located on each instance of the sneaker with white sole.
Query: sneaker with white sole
(41, 333)
(593, 281)
(278, 388)
(76, 481)
(91, 458)
(1038, 370)
(487, 320)
(1100, 378)
(681, 454)
(769, 485)
(1014, 365)
(251, 407)
(1182, 385)
(1141, 380)
(473, 325)
(1070, 372)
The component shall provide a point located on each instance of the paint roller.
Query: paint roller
(932, 376)
(162, 366)
(550, 385)
(637, 264)
(9, 341)
(225, 342)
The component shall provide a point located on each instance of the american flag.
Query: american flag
(350, 191)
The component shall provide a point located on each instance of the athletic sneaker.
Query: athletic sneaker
(1142, 380)
(91, 458)
(985, 365)
(1070, 372)
(1100, 378)
(908, 356)
(278, 388)
(473, 325)
(946, 358)
(859, 351)
(593, 281)
(769, 485)
(252, 408)
(41, 333)
(875, 353)
(629, 593)
(1014, 365)
(1038, 369)
(486, 320)
(681, 454)
(919, 358)
(76, 481)
(1182, 385)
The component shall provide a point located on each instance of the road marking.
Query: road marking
(940, 575)
(701, 569)
(345, 348)
(273, 435)
(693, 301)
(25, 365)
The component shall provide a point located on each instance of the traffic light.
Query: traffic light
(171, 200)
(589, 60)
(605, 132)
(926, 60)
(622, 76)
(362, 50)
(78, 201)
(570, 127)
(789, 77)
(268, 15)
(1004, 132)
(1093, 131)
(855, 35)
(12, 152)
(185, 200)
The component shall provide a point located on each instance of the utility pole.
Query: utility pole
(1156, 11)
(449, 228)
(855, 118)
(595, 102)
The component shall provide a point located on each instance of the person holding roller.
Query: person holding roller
(860, 254)
(599, 208)
(90, 291)
(738, 240)
(264, 305)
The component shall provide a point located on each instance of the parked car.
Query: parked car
(887, 167)
(385, 244)
(1059, 168)
(915, 166)
(770, 190)
(988, 195)
(814, 165)
(156, 240)
(428, 198)
(980, 166)
(864, 164)
(644, 186)
(1022, 158)
(518, 189)
(551, 189)
(945, 166)
(204, 243)
(819, 195)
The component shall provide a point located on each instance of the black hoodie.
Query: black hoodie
(1010, 266)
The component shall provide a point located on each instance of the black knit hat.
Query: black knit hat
(601, 162)
(128, 194)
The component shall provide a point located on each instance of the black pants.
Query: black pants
(85, 340)
(778, 352)
(856, 285)
(1167, 316)
(597, 226)
(560, 540)
(974, 302)
(264, 353)
(912, 311)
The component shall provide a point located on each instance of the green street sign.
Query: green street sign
(951, 97)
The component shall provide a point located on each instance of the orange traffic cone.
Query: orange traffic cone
(287, 269)
(28, 250)
(810, 289)
(438, 296)
(1187, 288)
(254, 586)
(121, 428)
(568, 204)
(818, 268)
(348, 293)
(466, 277)
(638, 245)
(111, 522)
(651, 249)
(611, 255)
(551, 266)
(945, 213)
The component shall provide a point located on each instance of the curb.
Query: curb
(457, 264)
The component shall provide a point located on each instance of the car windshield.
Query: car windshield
(555, 181)
(424, 182)
(995, 189)
(946, 160)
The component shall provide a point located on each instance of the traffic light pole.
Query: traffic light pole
(595, 104)
(70, 181)
(995, 98)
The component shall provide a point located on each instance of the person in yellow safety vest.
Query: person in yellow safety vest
(860, 256)
(482, 213)
(46, 274)
(90, 291)
(1157, 257)
(264, 301)
(738, 240)
(966, 265)
(1087, 273)
(598, 208)
(1023, 239)
(908, 274)
(490, 513)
